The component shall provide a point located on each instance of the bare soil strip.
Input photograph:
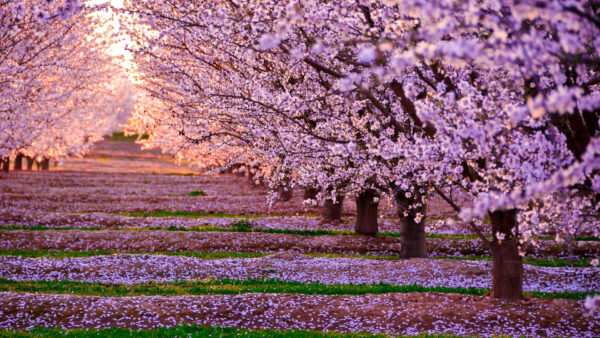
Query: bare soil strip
(27, 217)
(290, 266)
(387, 313)
(133, 192)
(120, 177)
(180, 241)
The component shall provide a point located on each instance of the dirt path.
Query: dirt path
(58, 191)
(388, 313)
(190, 241)
(120, 177)
(290, 266)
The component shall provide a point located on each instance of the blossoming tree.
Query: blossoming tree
(497, 100)
(55, 77)
(512, 100)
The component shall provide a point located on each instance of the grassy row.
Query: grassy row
(232, 286)
(234, 228)
(190, 331)
(245, 226)
(193, 215)
(546, 262)
(535, 261)
(67, 253)
(120, 136)
(187, 214)
(202, 228)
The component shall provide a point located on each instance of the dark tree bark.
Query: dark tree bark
(413, 232)
(30, 162)
(507, 275)
(570, 248)
(5, 164)
(44, 164)
(310, 193)
(236, 169)
(19, 162)
(252, 177)
(285, 193)
(366, 213)
(241, 173)
(333, 211)
(229, 170)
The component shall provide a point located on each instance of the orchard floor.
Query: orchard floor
(128, 238)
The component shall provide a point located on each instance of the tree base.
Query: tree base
(413, 238)
(507, 273)
(285, 194)
(4, 164)
(18, 162)
(44, 164)
(310, 193)
(366, 213)
(333, 211)
(30, 162)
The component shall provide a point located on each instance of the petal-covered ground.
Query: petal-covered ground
(28, 217)
(103, 202)
(290, 266)
(119, 177)
(195, 241)
(390, 313)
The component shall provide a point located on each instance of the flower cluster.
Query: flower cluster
(57, 84)
(498, 100)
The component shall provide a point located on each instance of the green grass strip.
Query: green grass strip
(187, 214)
(203, 228)
(45, 228)
(546, 262)
(231, 286)
(120, 137)
(552, 262)
(67, 253)
(212, 228)
(191, 331)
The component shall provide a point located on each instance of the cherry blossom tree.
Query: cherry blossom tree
(327, 137)
(497, 100)
(57, 83)
(512, 96)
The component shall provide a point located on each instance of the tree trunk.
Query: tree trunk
(366, 213)
(310, 193)
(333, 211)
(413, 232)
(5, 164)
(252, 177)
(570, 248)
(44, 164)
(19, 162)
(285, 193)
(507, 275)
(237, 169)
(29, 161)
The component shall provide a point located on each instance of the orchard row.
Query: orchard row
(491, 105)
(59, 90)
